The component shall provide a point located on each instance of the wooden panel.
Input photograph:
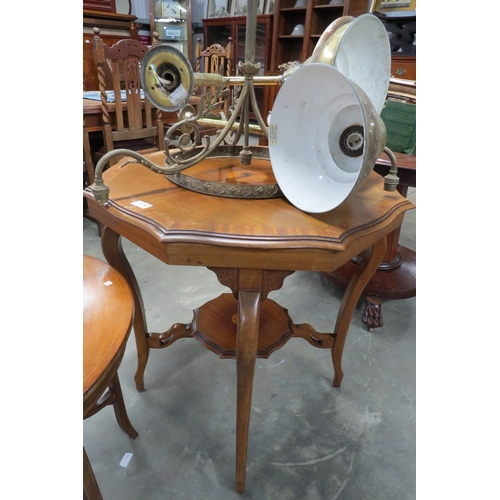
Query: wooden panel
(404, 67)
(113, 27)
(104, 5)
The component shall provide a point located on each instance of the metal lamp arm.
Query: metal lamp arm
(391, 180)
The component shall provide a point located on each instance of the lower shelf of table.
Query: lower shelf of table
(214, 325)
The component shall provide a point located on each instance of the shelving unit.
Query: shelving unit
(315, 16)
(172, 20)
(218, 30)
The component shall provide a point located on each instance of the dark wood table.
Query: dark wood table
(251, 245)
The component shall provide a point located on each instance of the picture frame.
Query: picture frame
(214, 8)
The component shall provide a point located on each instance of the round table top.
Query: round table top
(108, 310)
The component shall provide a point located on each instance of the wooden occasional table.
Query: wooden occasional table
(252, 246)
(108, 309)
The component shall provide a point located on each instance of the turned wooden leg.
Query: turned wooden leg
(246, 354)
(112, 249)
(119, 408)
(356, 285)
(90, 487)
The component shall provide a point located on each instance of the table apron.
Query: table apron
(213, 255)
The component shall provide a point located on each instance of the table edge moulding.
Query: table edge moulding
(251, 245)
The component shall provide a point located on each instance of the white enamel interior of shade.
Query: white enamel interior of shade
(298, 30)
(364, 56)
(312, 109)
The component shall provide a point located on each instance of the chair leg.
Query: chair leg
(119, 408)
(90, 487)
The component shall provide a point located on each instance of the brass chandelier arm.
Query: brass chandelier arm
(391, 180)
(256, 110)
(177, 163)
(214, 79)
(101, 191)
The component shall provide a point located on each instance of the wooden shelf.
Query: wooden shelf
(316, 16)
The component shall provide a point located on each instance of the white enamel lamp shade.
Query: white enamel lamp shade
(324, 139)
(361, 51)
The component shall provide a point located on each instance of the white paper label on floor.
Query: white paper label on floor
(126, 459)
(141, 204)
(107, 283)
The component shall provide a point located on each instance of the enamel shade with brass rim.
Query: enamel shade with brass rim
(167, 78)
(323, 142)
(361, 51)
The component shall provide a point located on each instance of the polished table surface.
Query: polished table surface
(251, 245)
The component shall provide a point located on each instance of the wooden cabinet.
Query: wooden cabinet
(401, 27)
(113, 26)
(104, 5)
(218, 30)
(171, 19)
(315, 16)
(404, 66)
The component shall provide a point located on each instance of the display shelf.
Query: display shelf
(218, 30)
(171, 19)
(316, 16)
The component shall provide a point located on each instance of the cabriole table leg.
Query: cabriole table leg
(246, 354)
(356, 285)
(112, 249)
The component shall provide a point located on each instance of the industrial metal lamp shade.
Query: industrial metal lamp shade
(325, 136)
(359, 48)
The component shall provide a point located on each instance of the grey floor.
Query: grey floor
(307, 439)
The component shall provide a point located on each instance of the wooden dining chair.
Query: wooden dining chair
(137, 124)
(214, 59)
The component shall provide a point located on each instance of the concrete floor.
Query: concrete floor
(307, 439)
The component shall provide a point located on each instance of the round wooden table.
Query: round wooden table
(108, 312)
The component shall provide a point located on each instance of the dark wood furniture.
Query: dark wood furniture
(217, 30)
(401, 26)
(214, 59)
(251, 245)
(316, 16)
(108, 310)
(122, 60)
(113, 26)
(404, 66)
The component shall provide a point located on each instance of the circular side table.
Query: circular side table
(108, 312)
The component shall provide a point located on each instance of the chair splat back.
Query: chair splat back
(215, 59)
(136, 119)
